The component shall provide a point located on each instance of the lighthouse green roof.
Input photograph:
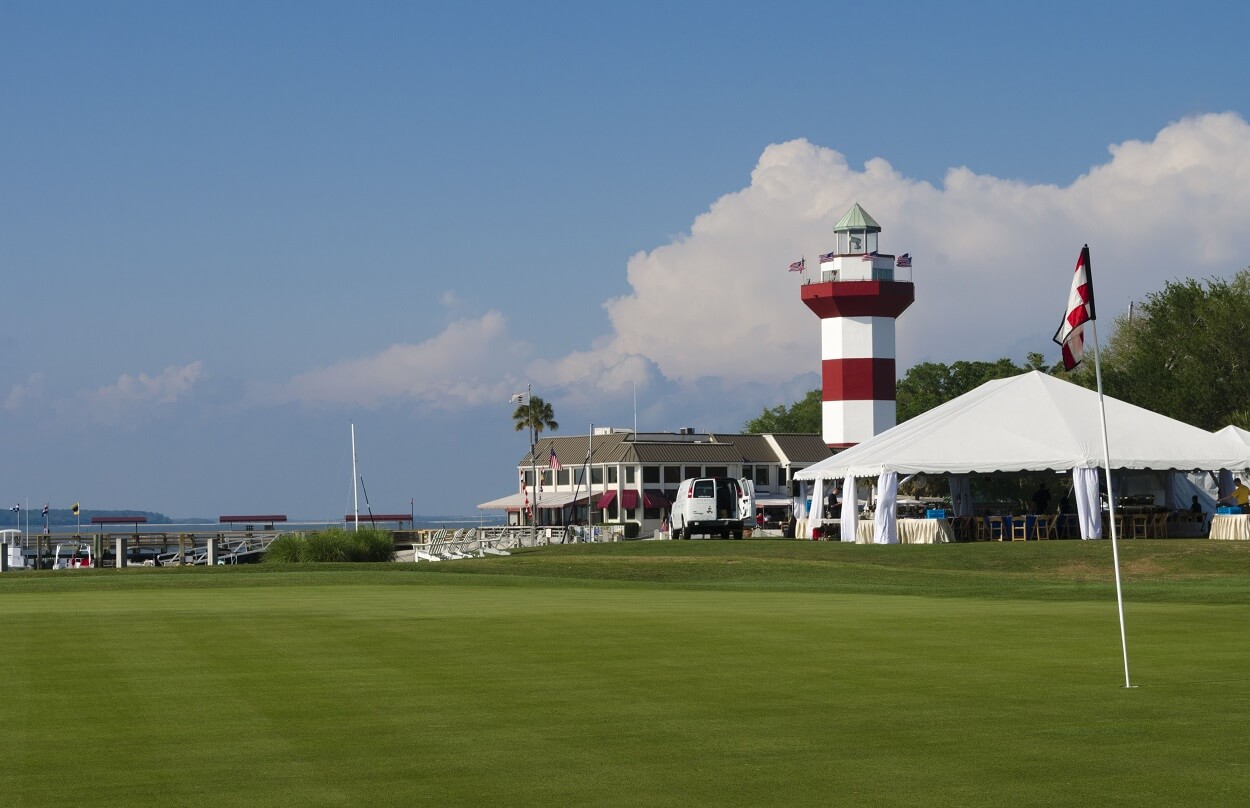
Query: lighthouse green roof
(857, 219)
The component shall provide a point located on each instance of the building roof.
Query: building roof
(675, 448)
(802, 448)
(857, 219)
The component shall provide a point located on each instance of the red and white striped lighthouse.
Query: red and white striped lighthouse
(857, 300)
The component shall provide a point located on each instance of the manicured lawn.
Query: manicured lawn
(720, 673)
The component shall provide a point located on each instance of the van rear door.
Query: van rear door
(702, 501)
(746, 499)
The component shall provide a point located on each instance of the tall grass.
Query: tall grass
(333, 544)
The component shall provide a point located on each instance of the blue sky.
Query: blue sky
(230, 229)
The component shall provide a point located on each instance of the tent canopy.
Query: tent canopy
(1032, 422)
(1236, 433)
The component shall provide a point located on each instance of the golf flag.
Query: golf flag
(555, 463)
(45, 509)
(74, 510)
(517, 398)
(799, 265)
(1071, 333)
(17, 509)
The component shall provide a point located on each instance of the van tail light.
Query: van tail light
(690, 492)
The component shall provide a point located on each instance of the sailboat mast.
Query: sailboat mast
(355, 488)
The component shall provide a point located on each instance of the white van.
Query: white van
(713, 506)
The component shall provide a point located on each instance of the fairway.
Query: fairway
(390, 686)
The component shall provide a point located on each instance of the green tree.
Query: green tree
(534, 415)
(802, 417)
(1185, 353)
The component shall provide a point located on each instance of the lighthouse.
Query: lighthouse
(857, 299)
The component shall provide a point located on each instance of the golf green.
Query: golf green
(379, 688)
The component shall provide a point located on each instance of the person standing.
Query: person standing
(1041, 499)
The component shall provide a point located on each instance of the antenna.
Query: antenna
(635, 410)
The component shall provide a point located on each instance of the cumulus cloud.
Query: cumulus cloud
(472, 361)
(132, 397)
(992, 256)
(25, 393)
(992, 267)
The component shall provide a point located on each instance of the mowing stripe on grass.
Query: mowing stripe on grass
(368, 694)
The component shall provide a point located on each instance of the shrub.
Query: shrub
(333, 544)
(326, 545)
(372, 544)
(285, 549)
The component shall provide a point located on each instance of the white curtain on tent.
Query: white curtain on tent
(817, 517)
(1088, 508)
(885, 528)
(850, 510)
(800, 502)
(961, 494)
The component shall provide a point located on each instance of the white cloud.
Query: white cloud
(25, 393)
(131, 397)
(471, 362)
(993, 259)
(992, 256)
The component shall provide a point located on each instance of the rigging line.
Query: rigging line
(365, 491)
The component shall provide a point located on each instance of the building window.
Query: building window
(650, 474)
(579, 475)
(629, 475)
(717, 471)
(672, 474)
(631, 515)
(748, 472)
(528, 476)
(693, 471)
(762, 476)
(562, 477)
(652, 513)
(546, 477)
(612, 475)
(596, 476)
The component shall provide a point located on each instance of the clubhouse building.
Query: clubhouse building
(617, 477)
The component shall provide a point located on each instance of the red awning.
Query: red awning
(606, 500)
(629, 499)
(654, 499)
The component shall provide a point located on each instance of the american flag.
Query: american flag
(903, 260)
(799, 265)
(869, 256)
(555, 463)
(1071, 333)
(827, 257)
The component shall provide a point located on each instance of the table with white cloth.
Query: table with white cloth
(1234, 526)
(910, 531)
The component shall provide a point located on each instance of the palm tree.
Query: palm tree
(534, 415)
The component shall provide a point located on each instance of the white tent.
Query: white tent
(1236, 433)
(1033, 423)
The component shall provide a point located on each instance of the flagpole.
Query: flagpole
(1115, 550)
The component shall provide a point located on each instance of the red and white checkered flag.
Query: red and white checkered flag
(1071, 333)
